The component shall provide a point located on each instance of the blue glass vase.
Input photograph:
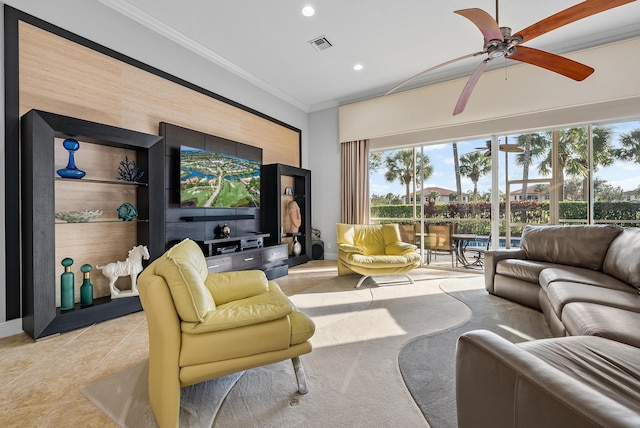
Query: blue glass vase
(71, 171)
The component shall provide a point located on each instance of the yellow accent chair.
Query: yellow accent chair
(374, 249)
(204, 326)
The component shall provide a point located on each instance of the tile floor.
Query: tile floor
(40, 382)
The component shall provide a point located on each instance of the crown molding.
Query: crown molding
(143, 18)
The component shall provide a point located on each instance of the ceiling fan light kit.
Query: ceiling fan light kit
(499, 42)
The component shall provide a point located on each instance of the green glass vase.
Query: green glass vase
(66, 285)
(86, 289)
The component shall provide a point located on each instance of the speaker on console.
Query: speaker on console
(317, 250)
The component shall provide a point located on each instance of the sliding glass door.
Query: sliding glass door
(575, 175)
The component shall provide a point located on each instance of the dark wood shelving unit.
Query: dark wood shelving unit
(40, 315)
(272, 196)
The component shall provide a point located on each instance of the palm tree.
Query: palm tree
(456, 164)
(375, 161)
(400, 168)
(573, 156)
(433, 195)
(630, 150)
(474, 165)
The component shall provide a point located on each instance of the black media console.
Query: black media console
(246, 252)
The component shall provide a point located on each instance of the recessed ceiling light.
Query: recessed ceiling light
(358, 67)
(308, 11)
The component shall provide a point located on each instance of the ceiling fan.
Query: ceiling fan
(499, 42)
(505, 147)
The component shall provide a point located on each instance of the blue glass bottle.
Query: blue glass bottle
(86, 289)
(66, 286)
(71, 171)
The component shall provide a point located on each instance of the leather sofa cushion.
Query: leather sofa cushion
(526, 270)
(561, 293)
(582, 246)
(605, 366)
(590, 319)
(184, 268)
(623, 258)
(581, 275)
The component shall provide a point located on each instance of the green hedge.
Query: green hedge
(474, 217)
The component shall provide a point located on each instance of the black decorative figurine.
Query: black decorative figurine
(129, 171)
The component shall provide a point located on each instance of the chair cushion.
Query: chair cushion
(258, 309)
(400, 248)
(399, 260)
(370, 239)
(229, 286)
(184, 268)
(623, 260)
(582, 246)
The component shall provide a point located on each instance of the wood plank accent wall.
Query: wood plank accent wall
(64, 77)
(49, 69)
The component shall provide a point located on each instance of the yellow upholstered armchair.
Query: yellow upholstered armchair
(203, 326)
(374, 249)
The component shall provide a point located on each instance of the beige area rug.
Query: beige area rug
(352, 373)
(124, 398)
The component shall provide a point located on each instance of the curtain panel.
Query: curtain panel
(354, 182)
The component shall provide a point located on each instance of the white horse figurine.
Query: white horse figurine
(130, 267)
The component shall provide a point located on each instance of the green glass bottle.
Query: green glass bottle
(66, 285)
(86, 289)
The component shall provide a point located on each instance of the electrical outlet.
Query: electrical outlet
(329, 246)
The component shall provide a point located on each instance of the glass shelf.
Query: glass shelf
(90, 180)
(115, 220)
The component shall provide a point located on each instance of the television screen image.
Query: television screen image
(218, 180)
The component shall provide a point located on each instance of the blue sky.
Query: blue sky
(622, 174)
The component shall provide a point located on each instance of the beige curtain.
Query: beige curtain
(354, 182)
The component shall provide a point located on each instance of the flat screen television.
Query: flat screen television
(218, 180)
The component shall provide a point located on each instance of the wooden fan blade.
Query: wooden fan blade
(401, 84)
(567, 16)
(485, 23)
(468, 88)
(556, 63)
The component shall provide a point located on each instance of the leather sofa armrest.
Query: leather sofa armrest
(491, 259)
(499, 384)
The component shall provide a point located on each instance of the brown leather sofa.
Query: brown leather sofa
(586, 281)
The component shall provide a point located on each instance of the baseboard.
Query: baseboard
(10, 328)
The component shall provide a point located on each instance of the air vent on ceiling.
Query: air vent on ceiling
(320, 43)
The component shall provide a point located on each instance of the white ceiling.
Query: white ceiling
(266, 41)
